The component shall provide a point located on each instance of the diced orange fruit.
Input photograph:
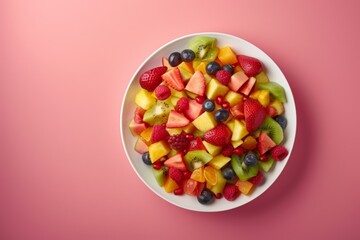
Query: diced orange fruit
(170, 185)
(210, 175)
(198, 175)
(146, 134)
(227, 55)
(238, 69)
(202, 67)
(244, 186)
(249, 143)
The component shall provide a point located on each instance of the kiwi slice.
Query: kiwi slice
(211, 54)
(275, 90)
(201, 46)
(273, 129)
(158, 113)
(160, 175)
(242, 171)
(196, 159)
(266, 166)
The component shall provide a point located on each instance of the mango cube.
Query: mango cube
(264, 97)
(237, 143)
(212, 149)
(227, 55)
(144, 99)
(170, 185)
(239, 131)
(146, 134)
(244, 186)
(158, 150)
(219, 161)
(233, 98)
(205, 122)
(262, 77)
(215, 88)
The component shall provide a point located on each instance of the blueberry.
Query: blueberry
(175, 59)
(212, 68)
(221, 115)
(282, 121)
(208, 105)
(187, 55)
(146, 158)
(228, 173)
(228, 68)
(250, 159)
(205, 197)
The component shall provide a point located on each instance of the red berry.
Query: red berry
(159, 133)
(219, 135)
(199, 99)
(176, 175)
(238, 151)
(162, 92)
(218, 196)
(179, 191)
(189, 136)
(223, 76)
(182, 105)
(264, 158)
(225, 105)
(178, 142)
(149, 80)
(227, 151)
(187, 174)
(279, 152)
(231, 192)
(219, 99)
(258, 179)
(157, 165)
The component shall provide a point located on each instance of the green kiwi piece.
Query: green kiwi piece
(196, 159)
(273, 129)
(241, 170)
(201, 46)
(158, 113)
(211, 54)
(266, 166)
(275, 90)
(160, 175)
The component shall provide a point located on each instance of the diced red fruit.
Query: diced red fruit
(220, 135)
(193, 187)
(219, 99)
(250, 65)
(218, 195)
(189, 136)
(157, 164)
(271, 111)
(279, 152)
(248, 86)
(265, 143)
(197, 84)
(187, 174)
(227, 150)
(179, 191)
(139, 114)
(264, 157)
(150, 79)
(178, 142)
(231, 192)
(238, 151)
(159, 133)
(173, 79)
(137, 128)
(223, 76)
(195, 109)
(196, 144)
(199, 99)
(225, 105)
(176, 120)
(176, 161)
(258, 179)
(140, 146)
(162, 92)
(182, 105)
(254, 113)
(176, 175)
(238, 111)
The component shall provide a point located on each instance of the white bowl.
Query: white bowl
(240, 46)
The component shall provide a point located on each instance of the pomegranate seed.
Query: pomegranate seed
(199, 99)
(178, 191)
(225, 105)
(263, 158)
(219, 99)
(187, 174)
(218, 196)
(238, 151)
(157, 165)
(190, 136)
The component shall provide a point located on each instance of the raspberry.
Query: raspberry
(231, 192)
(159, 133)
(279, 152)
(162, 92)
(227, 151)
(223, 76)
(178, 142)
(176, 175)
(258, 179)
(182, 105)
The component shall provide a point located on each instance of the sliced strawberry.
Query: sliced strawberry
(197, 84)
(220, 135)
(149, 80)
(176, 161)
(196, 144)
(250, 65)
(194, 110)
(173, 79)
(238, 111)
(254, 113)
(265, 143)
(176, 120)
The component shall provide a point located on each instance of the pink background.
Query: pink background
(64, 67)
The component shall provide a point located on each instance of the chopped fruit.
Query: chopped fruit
(258, 179)
(273, 129)
(244, 186)
(233, 98)
(263, 96)
(194, 110)
(158, 150)
(198, 174)
(165, 63)
(201, 67)
(205, 122)
(176, 161)
(266, 166)
(238, 111)
(160, 175)
(227, 55)
(158, 113)
(238, 151)
(215, 88)
(173, 79)
(249, 143)
(159, 133)
(144, 99)
(149, 80)
(227, 150)
(173, 131)
(210, 175)
(179, 191)
(162, 92)
(189, 128)
(136, 128)
(248, 86)
(239, 131)
(279, 152)
(196, 159)
(237, 80)
(243, 171)
(146, 134)
(182, 105)
(236, 144)
(170, 185)
(176, 120)
(265, 143)
(212, 149)
(277, 106)
(275, 90)
(219, 99)
(254, 113)
(178, 142)
(176, 175)
(231, 192)
(193, 187)
(138, 115)
(262, 77)
(196, 84)
(196, 144)
(223, 76)
(219, 161)
(140, 146)
(250, 65)
(219, 135)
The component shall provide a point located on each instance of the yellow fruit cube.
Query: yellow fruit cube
(233, 98)
(172, 152)
(144, 99)
(205, 121)
(262, 77)
(178, 94)
(244, 186)
(158, 150)
(170, 185)
(264, 98)
(212, 149)
(201, 67)
(146, 134)
(219, 161)
(186, 66)
(230, 124)
(238, 69)
(236, 143)
(249, 143)
(174, 131)
(220, 184)
(189, 128)
(278, 106)
(239, 131)
(198, 174)
(215, 88)
(227, 55)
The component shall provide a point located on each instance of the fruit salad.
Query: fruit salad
(209, 122)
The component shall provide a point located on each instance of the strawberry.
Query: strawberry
(196, 144)
(176, 161)
(182, 105)
(223, 76)
(279, 152)
(176, 120)
(176, 175)
(220, 135)
(231, 192)
(149, 80)
(173, 79)
(227, 150)
(238, 111)
(254, 113)
(162, 92)
(139, 114)
(196, 84)
(250, 65)
(159, 133)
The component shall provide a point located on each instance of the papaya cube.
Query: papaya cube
(227, 55)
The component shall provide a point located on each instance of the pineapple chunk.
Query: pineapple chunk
(239, 131)
(219, 161)
(233, 98)
(144, 99)
(205, 122)
(215, 88)
(212, 149)
(158, 150)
